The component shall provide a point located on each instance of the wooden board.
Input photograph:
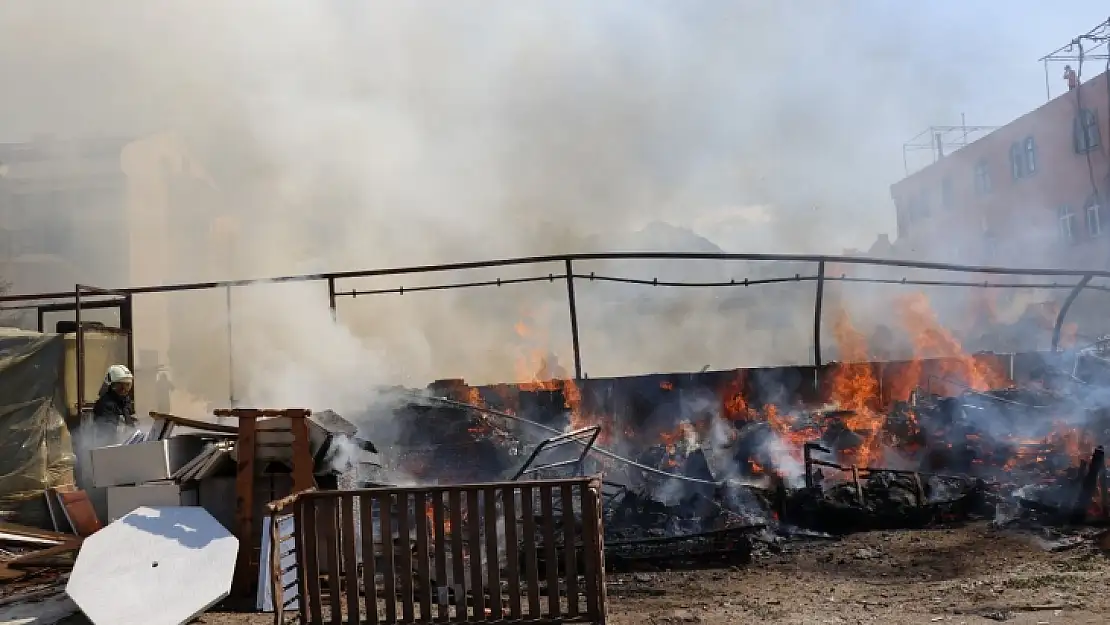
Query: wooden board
(80, 513)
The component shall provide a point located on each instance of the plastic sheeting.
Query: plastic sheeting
(36, 451)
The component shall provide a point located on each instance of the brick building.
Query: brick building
(1027, 194)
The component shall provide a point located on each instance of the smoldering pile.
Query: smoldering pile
(697, 485)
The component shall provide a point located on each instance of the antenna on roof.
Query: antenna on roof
(1067, 53)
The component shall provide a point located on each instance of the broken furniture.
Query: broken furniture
(265, 437)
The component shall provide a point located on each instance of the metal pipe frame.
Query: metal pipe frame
(567, 260)
(562, 258)
(126, 312)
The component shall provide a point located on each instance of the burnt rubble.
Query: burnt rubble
(687, 485)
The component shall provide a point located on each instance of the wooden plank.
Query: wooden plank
(271, 545)
(350, 556)
(474, 550)
(592, 551)
(310, 514)
(512, 551)
(79, 512)
(33, 557)
(301, 545)
(244, 507)
(570, 541)
(439, 529)
(330, 522)
(528, 543)
(423, 577)
(302, 456)
(446, 489)
(493, 558)
(550, 557)
(404, 553)
(193, 423)
(458, 565)
(369, 585)
(389, 567)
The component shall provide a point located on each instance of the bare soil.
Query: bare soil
(967, 575)
(972, 574)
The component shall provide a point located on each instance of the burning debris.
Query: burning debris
(947, 436)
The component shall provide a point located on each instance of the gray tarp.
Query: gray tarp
(35, 447)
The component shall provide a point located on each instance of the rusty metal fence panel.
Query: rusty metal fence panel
(528, 552)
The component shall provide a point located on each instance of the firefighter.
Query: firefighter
(1071, 77)
(114, 406)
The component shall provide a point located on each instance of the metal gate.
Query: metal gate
(528, 551)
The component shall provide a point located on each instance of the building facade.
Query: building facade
(1031, 193)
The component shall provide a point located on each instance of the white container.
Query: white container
(122, 465)
(124, 499)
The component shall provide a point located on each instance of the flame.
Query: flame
(429, 511)
(540, 371)
(855, 388)
(863, 390)
(932, 340)
(734, 406)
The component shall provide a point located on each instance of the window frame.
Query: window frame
(1030, 150)
(982, 177)
(1093, 208)
(1086, 135)
(1017, 157)
(1066, 216)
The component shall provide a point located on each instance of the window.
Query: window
(1017, 161)
(1023, 158)
(1093, 210)
(982, 178)
(1067, 223)
(1085, 135)
(947, 196)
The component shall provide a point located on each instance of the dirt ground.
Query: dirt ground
(967, 575)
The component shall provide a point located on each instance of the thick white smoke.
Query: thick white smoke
(346, 135)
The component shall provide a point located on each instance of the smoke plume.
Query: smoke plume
(346, 135)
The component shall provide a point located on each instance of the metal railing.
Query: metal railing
(1073, 280)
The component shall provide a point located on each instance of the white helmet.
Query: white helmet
(118, 373)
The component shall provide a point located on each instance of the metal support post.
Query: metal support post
(817, 303)
(1064, 309)
(331, 297)
(573, 321)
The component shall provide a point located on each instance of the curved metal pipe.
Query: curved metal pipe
(1064, 309)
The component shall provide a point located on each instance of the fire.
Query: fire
(932, 340)
(541, 372)
(733, 403)
(860, 391)
(855, 388)
(429, 511)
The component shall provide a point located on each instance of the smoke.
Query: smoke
(345, 135)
